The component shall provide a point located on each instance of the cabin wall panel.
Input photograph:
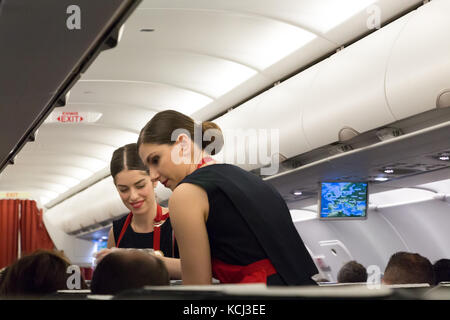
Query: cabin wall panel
(370, 242)
(424, 226)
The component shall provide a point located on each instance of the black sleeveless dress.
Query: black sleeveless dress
(249, 221)
(136, 240)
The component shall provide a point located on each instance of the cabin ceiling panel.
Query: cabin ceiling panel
(249, 39)
(207, 75)
(60, 158)
(89, 133)
(95, 150)
(66, 170)
(38, 176)
(102, 94)
(317, 15)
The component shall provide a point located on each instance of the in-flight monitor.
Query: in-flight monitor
(343, 200)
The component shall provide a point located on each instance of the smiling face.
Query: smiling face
(136, 190)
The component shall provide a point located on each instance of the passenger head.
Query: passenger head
(40, 273)
(352, 271)
(442, 270)
(171, 144)
(408, 268)
(132, 179)
(128, 269)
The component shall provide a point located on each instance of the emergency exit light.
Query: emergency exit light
(73, 117)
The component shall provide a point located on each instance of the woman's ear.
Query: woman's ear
(181, 149)
(184, 143)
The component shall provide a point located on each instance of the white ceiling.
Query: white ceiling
(201, 58)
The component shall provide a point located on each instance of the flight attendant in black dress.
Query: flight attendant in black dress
(229, 223)
(148, 224)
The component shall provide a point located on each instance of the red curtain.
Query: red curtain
(33, 235)
(9, 227)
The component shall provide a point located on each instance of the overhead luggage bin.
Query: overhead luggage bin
(265, 113)
(349, 90)
(418, 73)
(45, 46)
(360, 88)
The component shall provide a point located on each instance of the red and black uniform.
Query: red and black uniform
(125, 237)
(251, 234)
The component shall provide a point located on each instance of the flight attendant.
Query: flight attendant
(229, 223)
(148, 224)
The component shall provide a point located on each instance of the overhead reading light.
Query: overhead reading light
(381, 179)
(388, 171)
(444, 157)
(297, 193)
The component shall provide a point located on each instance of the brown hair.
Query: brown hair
(126, 270)
(160, 128)
(42, 272)
(126, 158)
(407, 268)
(351, 272)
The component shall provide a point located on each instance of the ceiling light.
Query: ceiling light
(444, 157)
(297, 193)
(381, 179)
(389, 171)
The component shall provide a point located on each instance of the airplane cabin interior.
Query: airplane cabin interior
(313, 97)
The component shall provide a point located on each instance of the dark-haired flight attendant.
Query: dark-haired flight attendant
(148, 224)
(229, 223)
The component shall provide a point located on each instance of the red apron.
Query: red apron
(157, 223)
(256, 272)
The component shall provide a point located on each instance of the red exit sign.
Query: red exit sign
(72, 117)
(68, 117)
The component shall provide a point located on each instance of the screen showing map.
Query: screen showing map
(343, 200)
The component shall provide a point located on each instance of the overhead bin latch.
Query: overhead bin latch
(388, 133)
(347, 133)
(443, 100)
